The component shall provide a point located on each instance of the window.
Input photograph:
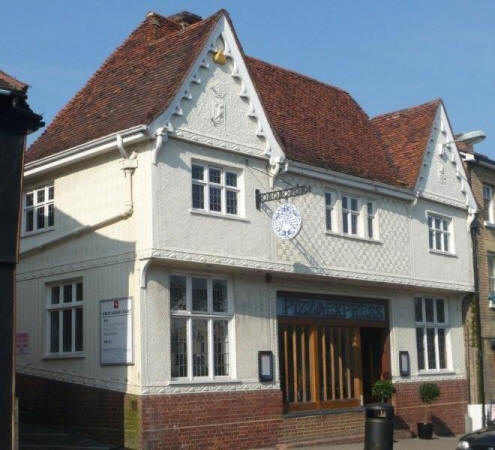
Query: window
(439, 233)
(215, 189)
(39, 209)
(200, 320)
(65, 317)
(370, 211)
(350, 215)
(431, 331)
(491, 280)
(355, 216)
(329, 211)
(488, 203)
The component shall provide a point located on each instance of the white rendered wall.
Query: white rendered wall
(255, 321)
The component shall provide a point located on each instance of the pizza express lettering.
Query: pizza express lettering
(293, 307)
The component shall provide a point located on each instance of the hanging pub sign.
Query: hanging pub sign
(282, 194)
(289, 306)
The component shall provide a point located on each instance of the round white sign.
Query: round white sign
(286, 221)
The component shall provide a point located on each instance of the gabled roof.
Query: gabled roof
(405, 134)
(133, 86)
(9, 83)
(315, 123)
(320, 124)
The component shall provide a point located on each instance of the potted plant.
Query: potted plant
(428, 392)
(383, 390)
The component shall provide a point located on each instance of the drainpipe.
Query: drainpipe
(128, 166)
(476, 298)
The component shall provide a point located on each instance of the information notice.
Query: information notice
(116, 332)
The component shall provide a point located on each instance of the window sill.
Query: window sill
(35, 233)
(204, 381)
(437, 373)
(439, 252)
(218, 215)
(322, 412)
(354, 237)
(489, 225)
(77, 355)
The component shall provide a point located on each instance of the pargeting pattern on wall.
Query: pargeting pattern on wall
(313, 247)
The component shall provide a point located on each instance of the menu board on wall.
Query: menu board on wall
(116, 332)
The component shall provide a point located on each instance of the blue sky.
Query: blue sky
(388, 54)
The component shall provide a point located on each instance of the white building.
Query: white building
(140, 200)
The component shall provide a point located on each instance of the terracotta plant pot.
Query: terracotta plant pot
(425, 430)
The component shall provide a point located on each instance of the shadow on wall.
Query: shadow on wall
(66, 393)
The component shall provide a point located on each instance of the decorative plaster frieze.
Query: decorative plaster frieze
(443, 199)
(429, 378)
(71, 377)
(208, 387)
(239, 71)
(252, 264)
(74, 267)
(211, 141)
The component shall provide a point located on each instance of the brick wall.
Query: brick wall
(486, 245)
(103, 414)
(447, 411)
(248, 419)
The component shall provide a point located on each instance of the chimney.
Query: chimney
(185, 18)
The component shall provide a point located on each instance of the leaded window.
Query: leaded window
(65, 317)
(431, 332)
(215, 189)
(201, 312)
(439, 234)
(350, 215)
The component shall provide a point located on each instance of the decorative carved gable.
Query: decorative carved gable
(218, 104)
(442, 176)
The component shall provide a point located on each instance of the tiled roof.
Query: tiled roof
(405, 134)
(133, 86)
(320, 124)
(315, 123)
(10, 83)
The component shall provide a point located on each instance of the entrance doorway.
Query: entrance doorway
(374, 351)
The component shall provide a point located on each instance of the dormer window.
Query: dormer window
(39, 209)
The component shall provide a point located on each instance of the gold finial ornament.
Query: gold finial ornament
(219, 57)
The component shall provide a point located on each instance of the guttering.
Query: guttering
(330, 176)
(128, 166)
(87, 150)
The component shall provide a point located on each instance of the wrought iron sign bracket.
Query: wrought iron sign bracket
(262, 197)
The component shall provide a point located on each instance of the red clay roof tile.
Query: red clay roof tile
(405, 134)
(315, 123)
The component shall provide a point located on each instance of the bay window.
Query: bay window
(201, 312)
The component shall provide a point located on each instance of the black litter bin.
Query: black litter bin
(379, 427)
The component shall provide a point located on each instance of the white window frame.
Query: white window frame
(488, 201)
(206, 183)
(60, 307)
(374, 219)
(351, 212)
(443, 232)
(210, 316)
(331, 211)
(337, 211)
(45, 205)
(424, 325)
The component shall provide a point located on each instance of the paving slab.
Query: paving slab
(437, 443)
